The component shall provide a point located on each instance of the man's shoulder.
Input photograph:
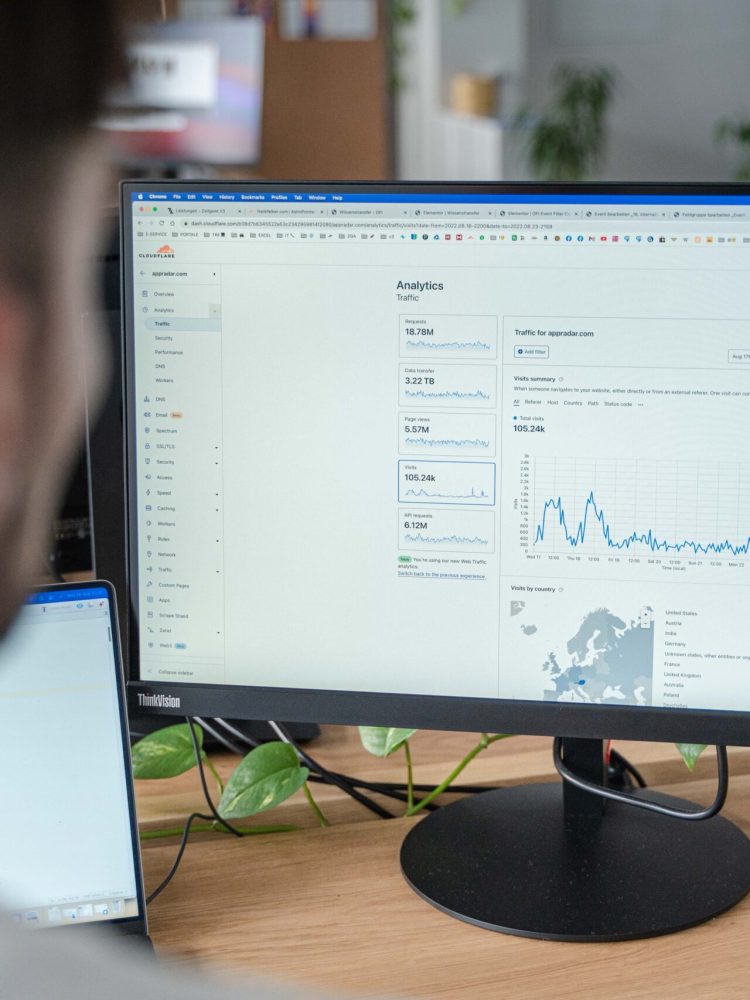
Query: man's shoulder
(38, 965)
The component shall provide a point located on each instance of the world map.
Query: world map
(607, 661)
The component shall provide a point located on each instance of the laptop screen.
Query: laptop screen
(68, 847)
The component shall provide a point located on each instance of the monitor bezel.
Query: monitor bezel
(375, 708)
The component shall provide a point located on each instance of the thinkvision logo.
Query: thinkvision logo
(157, 701)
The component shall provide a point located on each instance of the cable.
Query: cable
(393, 790)
(345, 783)
(330, 776)
(390, 789)
(209, 801)
(617, 758)
(180, 851)
(396, 790)
(215, 815)
(238, 734)
(400, 785)
(371, 786)
(318, 773)
(387, 787)
(608, 793)
(219, 737)
(354, 782)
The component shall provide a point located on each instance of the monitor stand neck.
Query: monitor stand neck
(549, 861)
(583, 810)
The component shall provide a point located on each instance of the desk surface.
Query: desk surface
(331, 909)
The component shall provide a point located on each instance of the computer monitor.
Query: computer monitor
(195, 94)
(451, 456)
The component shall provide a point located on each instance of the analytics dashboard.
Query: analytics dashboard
(485, 446)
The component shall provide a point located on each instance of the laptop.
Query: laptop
(69, 850)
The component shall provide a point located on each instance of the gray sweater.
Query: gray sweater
(48, 965)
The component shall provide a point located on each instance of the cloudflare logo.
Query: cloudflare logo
(163, 251)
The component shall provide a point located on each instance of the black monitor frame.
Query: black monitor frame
(376, 709)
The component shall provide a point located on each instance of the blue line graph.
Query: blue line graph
(420, 539)
(594, 518)
(448, 345)
(447, 442)
(445, 394)
(474, 495)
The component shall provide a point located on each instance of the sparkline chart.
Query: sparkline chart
(447, 444)
(443, 482)
(448, 336)
(446, 347)
(637, 507)
(431, 530)
(461, 434)
(458, 385)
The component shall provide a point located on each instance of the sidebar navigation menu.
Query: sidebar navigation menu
(179, 441)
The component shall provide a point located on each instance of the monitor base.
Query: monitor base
(506, 860)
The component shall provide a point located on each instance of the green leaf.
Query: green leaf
(269, 774)
(690, 752)
(166, 753)
(382, 741)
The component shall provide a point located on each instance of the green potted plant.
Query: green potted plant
(737, 132)
(566, 141)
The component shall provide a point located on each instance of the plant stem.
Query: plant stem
(409, 779)
(215, 773)
(483, 743)
(176, 831)
(314, 806)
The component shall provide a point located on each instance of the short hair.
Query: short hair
(57, 59)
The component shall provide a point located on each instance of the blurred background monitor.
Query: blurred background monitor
(71, 544)
(194, 95)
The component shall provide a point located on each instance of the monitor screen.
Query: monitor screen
(473, 443)
(65, 773)
(194, 94)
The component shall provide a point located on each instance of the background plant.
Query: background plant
(737, 132)
(403, 14)
(567, 140)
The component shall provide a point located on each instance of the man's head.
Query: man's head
(56, 59)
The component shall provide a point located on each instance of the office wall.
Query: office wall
(682, 65)
(489, 38)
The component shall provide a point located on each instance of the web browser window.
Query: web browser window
(65, 844)
(483, 446)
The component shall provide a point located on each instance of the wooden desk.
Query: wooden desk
(330, 907)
